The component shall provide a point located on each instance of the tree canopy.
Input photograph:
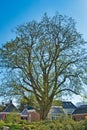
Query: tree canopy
(45, 59)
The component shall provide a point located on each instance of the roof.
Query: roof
(56, 110)
(81, 110)
(24, 112)
(27, 109)
(10, 108)
(68, 105)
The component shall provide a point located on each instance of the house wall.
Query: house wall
(78, 117)
(68, 111)
(2, 116)
(33, 116)
(52, 116)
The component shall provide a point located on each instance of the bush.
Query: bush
(59, 124)
(1, 124)
(14, 126)
(13, 118)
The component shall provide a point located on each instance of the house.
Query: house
(68, 107)
(30, 114)
(55, 112)
(80, 113)
(7, 110)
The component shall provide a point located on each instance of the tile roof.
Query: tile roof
(10, 108)
(68, 104)
(81, 110)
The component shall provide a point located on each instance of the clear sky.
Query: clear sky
(16, 12)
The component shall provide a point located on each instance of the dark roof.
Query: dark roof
(29, 108)
(82, 106)
(10, 108)
(81, 110)
(68, 104)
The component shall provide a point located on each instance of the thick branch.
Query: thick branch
(66, 89)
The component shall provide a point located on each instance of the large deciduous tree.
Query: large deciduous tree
(45, 59)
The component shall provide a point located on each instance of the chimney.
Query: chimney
(10, 101)
(3, 103)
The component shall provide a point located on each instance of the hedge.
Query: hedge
(59, 124)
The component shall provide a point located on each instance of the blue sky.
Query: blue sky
(16, 12)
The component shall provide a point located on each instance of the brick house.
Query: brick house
(30, 114)
(7, 110)
(80, 113)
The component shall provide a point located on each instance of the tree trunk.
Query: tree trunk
(44, 111)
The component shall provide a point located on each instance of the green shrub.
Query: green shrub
(1, 124)
(60, 124)
(13, 118)
(24, 122)
(15, 127)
